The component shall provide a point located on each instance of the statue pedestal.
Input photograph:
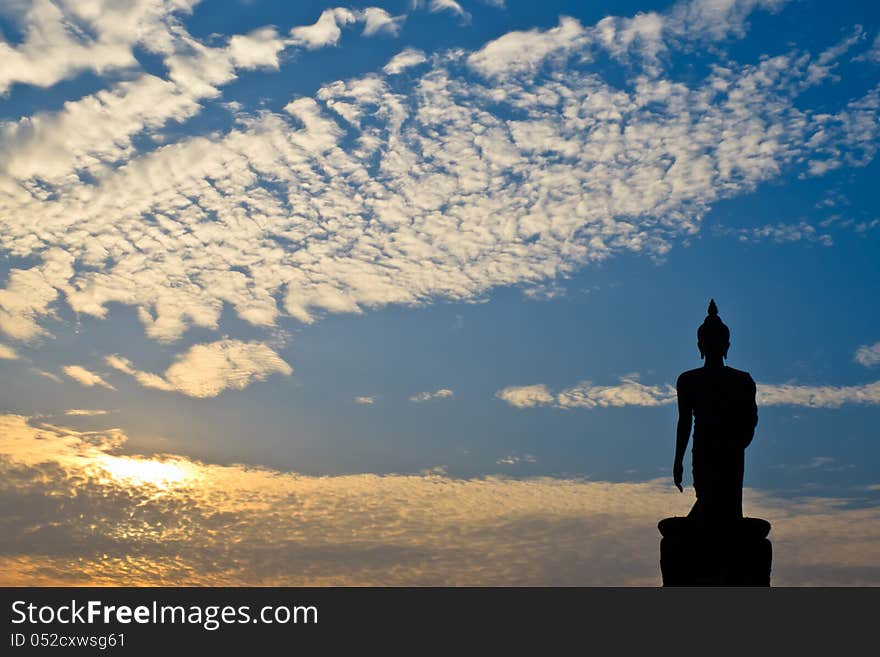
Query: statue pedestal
(735, 554)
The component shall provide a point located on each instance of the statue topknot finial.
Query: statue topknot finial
(713, 330)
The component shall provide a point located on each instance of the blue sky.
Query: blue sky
(447, 244)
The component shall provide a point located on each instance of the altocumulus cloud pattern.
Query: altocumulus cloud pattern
(441, 176)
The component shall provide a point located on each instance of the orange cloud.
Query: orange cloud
(87, 514)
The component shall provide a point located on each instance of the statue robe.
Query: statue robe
(725, 413)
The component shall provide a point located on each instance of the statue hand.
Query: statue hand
(677, 473)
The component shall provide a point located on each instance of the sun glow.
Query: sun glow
(148, 472)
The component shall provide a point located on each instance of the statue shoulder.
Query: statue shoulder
(742, 377)
(688, 377)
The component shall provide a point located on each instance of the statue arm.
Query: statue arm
(683, 431)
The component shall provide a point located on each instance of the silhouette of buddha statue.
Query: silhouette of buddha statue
(721, 402)
(714, 545)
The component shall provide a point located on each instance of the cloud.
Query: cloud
(326, 31)
(818, 396)
(646, 34)
(26, 298)
(825, 463)
(437, 6)
(387, 189)
(406, 58)
(527, 396)
(855, 123)
(544, 292)
(868, 355)
(85, 412)
(782, 233)
(83, 136)
(47, 375)
(715, 19)
(91, 132)
(803, 231)
(89, 514)
(379, 21)
(365, 400)
(206, 370)
(873, 54)
(7, 353)
(513, 459)
(827, 61)
(84, 377)
(64, 38)
(631, 392)
(442, 393)
(99, 130)
(524, 51)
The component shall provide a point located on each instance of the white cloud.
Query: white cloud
(524, 51)
(326, 31)
(146, 379)
(716, 19)
(818, 396)
(513, 459)
(631, 392)
(98, 130)
(89, 133)
(826, 463)
(85, 377)
(365, 400)
(437, 6)
(868, 355)
(384, 191)
(47, 375)
(527, 396)
(67, 37)
(827, 61)
(644, 31)
(645, 34)
(85, 412)
(206, 370)
(873, 54)
(782, 233)
(442, 393)
(27, 296)
(856, 124)
(544, 292)
(379, 21)
(7, 353)
(406, 58)
(255, 50)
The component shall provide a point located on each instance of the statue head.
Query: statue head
(713, 337)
